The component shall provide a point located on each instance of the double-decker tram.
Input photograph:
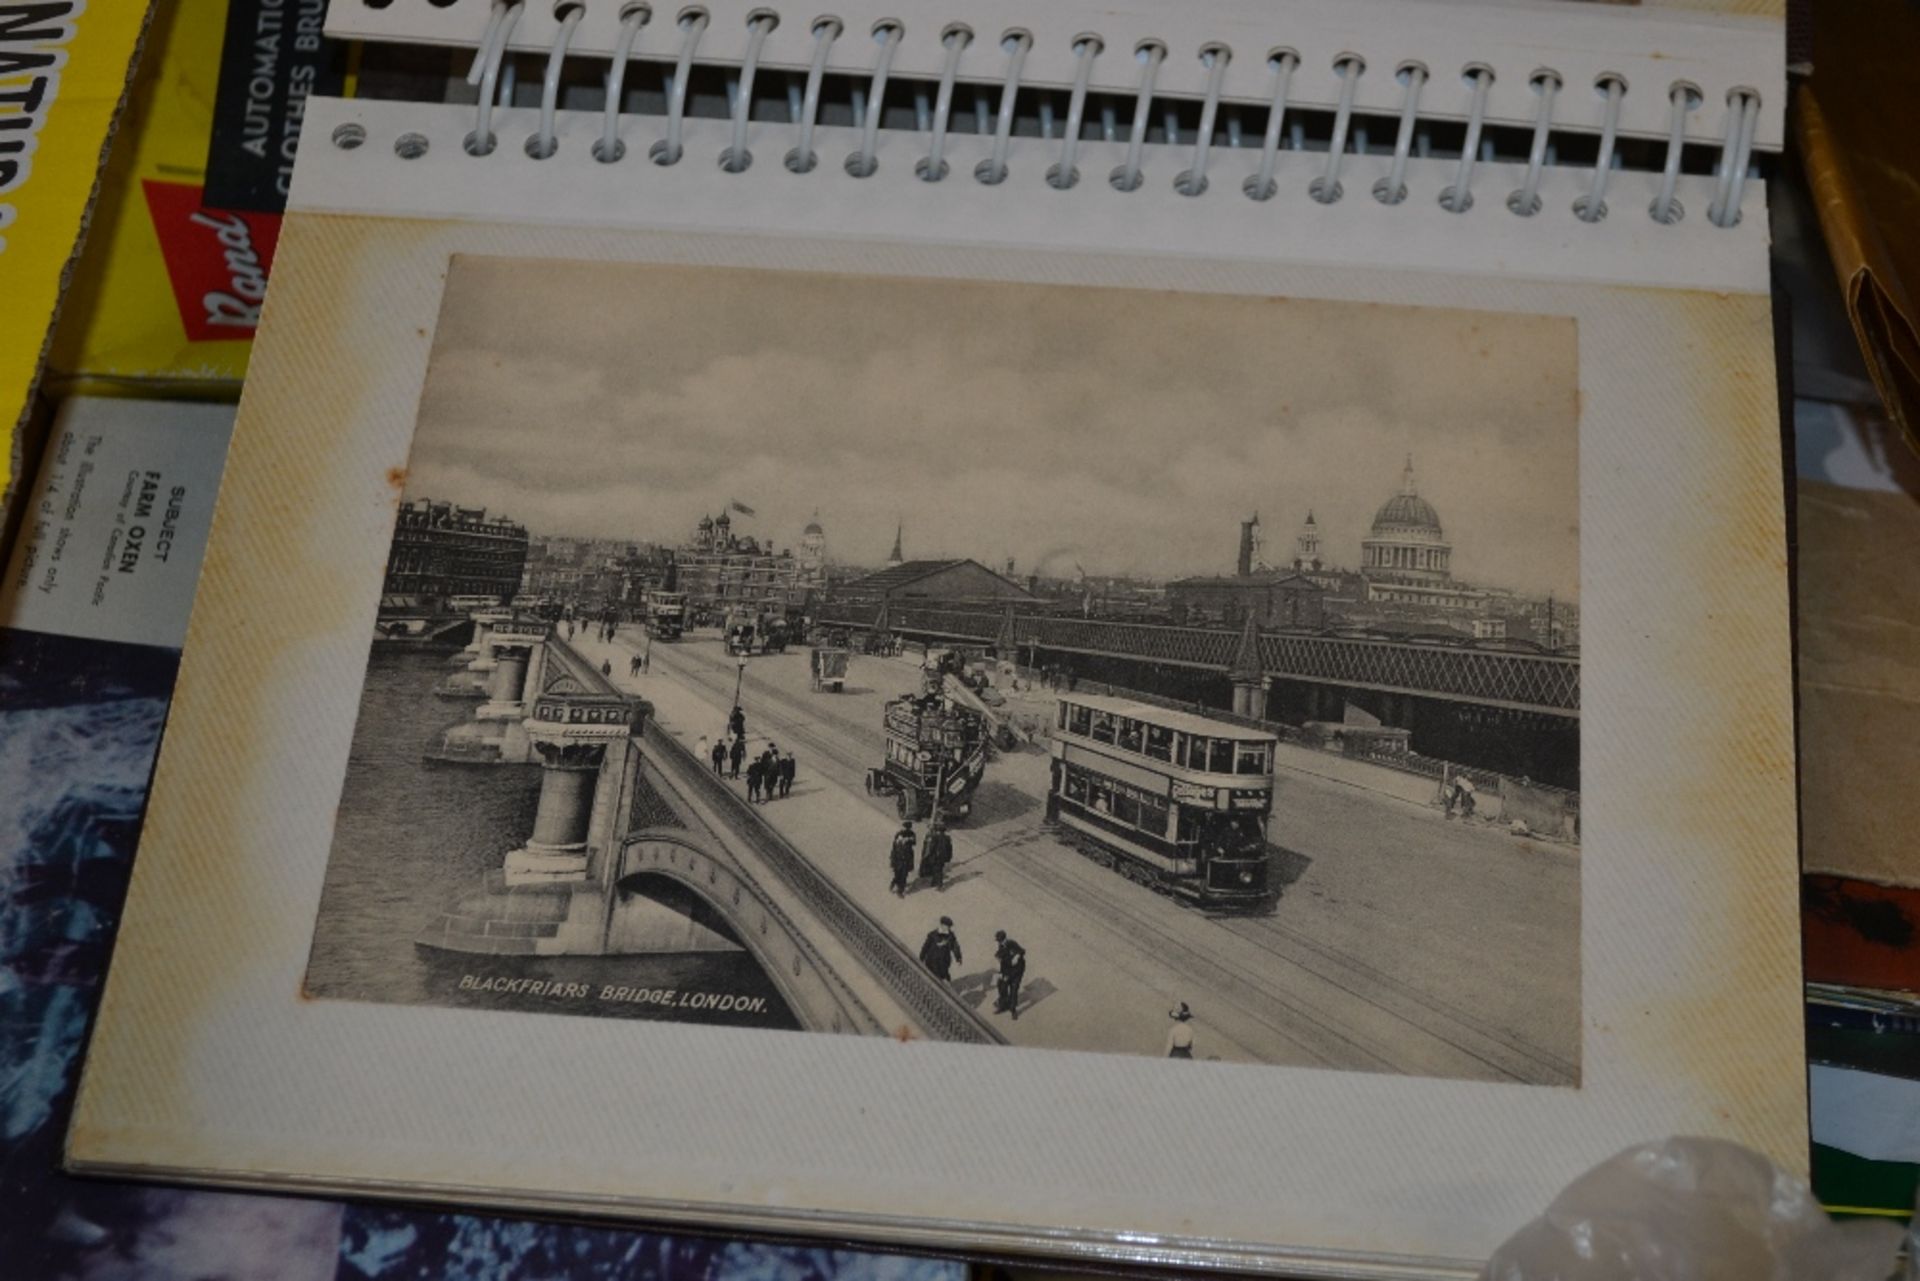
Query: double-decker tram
(1172, 799)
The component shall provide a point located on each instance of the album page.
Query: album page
(1194, 754)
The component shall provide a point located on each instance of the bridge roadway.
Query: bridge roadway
(1404, 943)
(896, 992)
(1516, 680)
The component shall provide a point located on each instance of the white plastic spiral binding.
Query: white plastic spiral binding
(1127, 176)
(1458, 197)
(801, 159)
(862, 163)
(1262, 185)
(1392, 189)
(1417, 103)
(1592, 207)
(541, 145)
(736, 157)
(1193, 182)
(486, 73)
(608, 148)
(1525, 201)
(1063, 174)
(993, 169)
(667, 151)
(1326, 188)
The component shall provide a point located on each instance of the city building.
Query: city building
(1408, 563)
(1406, 544)
(1403, 586)
(813, 551)
(719, 569)
(1275, 597)
(1306, 547)
(1251, 542)
(442, 553)
(946, 582)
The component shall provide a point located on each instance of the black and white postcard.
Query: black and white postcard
(1132, 672)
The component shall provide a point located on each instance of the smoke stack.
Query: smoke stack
(1245, 564)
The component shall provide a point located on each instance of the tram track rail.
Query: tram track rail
(1220, 974)
(1441, 1024)
(941, 1014)
(1519, 1059)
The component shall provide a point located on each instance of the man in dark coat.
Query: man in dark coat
(719, 756)
(737, 723)
(756, 778)
(941, 950)
(769, 771)
(900, 858)
(939, 853)
(787, 770)
(737, 755)
(1013, 968)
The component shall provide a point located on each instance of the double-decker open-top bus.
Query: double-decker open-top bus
(666, 614)
(1173, 799)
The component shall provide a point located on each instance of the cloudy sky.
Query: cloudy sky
(1127, 431)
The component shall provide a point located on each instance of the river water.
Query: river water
(410, 837)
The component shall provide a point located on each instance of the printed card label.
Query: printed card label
(110, 548)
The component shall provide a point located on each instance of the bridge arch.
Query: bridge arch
(818, 999)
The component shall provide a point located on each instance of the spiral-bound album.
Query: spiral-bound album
(1079, 632)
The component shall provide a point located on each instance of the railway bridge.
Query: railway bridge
(1503, 708)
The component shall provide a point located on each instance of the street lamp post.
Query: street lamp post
(739, 677)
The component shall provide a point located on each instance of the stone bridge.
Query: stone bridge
(593, 879)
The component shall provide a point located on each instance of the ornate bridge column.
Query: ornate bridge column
(581, 728)
(506, 688)
(518, 646)
(1247, 673)
(557, 850)
(478, 655)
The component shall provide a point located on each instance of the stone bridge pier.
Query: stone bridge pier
(509, 673)
(585, 882)
(478, 655)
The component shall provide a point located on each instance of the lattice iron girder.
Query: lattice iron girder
(1546, 683)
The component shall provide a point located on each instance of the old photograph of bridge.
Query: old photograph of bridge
(1192, 676)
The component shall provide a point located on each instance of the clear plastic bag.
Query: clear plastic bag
(1691, 1209)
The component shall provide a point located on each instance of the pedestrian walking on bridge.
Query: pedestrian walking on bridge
(718, 754)
(737, 755)
(1013, 969)
(756, 778)
(938, 854)
(900, 858)
(787, 768)
(769, 771)
(1180, 1035)
(941, 950)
